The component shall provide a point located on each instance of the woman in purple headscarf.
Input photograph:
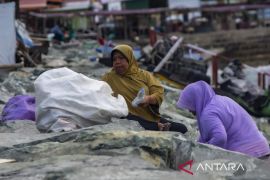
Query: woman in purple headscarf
(222, 122)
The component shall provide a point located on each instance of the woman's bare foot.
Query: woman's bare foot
(164, 126)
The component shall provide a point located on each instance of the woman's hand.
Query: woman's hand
(146, 101)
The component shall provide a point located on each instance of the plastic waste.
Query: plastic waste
(92, 58)
(139, 98)
(137, 53)
(20, 107)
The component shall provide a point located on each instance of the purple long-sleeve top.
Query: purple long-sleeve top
(223, 122)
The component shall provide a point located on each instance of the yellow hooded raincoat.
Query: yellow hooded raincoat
(132, 81)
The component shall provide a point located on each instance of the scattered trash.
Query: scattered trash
(171, 58)
(2, 161)
(20, 107)
(92, 58)
(22, 34)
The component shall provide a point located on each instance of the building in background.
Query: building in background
(235, 14)
(63, 12)
(132, 18)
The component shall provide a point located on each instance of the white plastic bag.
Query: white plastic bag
(66, 100)
(139, 98)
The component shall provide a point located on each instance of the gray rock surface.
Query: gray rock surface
(56, 63)
(119, 150)
(20, 131)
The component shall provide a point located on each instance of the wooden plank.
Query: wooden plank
(8, 66)
(168, 55)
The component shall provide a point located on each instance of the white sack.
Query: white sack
(66, 100)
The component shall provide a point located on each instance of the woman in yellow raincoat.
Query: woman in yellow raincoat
(126, 79)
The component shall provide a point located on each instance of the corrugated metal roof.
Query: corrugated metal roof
(105, 13)
(48, 14)
(128, 12)
(232, 8)
(33, 4)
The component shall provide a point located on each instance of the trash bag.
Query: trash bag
(20, 107)
(68, 100)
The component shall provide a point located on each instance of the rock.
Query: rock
(169, 111)
(88, 167)
(20, 131)
(18, 82)
(121, 151)
(56, 63)
(168, 108)
(4, 96)
(73, 54)
(264, 126)
(124, 124)
(1, 109)
(19, 126)
(207, 154)
(34, 71)
(25, 131)
(91, 69)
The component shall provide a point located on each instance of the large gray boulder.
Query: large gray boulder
(121, 150)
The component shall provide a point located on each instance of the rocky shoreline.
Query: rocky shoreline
(119, 150)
